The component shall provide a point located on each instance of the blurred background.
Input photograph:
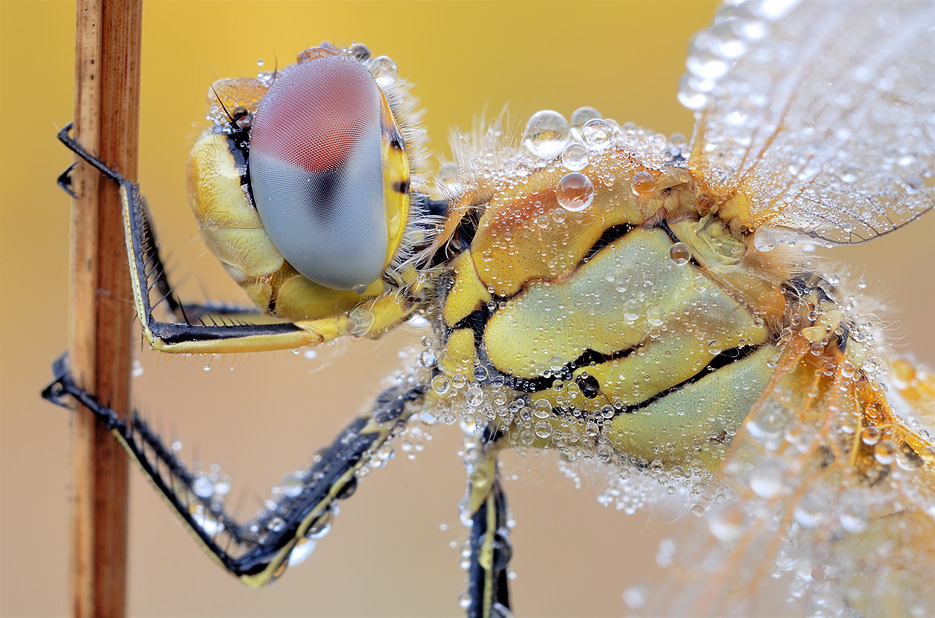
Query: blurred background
(394, 548)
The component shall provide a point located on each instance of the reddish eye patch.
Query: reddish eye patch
(316, 113)
(316, 171)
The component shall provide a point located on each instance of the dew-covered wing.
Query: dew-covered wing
(826, 507)
(820, 112)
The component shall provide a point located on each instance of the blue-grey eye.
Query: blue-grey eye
(317, 173)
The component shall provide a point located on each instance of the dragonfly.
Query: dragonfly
(645, 304)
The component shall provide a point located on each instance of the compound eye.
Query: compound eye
(317, 172)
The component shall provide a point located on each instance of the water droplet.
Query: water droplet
(202, 486)
(440, 384)
(631, 310)
(574, 192)
(222, 484)
(809, 511)
(871, 435)
(885, 452)
(275, 524)
(680, 254)
(207, 367)
(417, 321)
(474, 396)
(764, 241)
(546, 134)
(428, 359)
(359, 321)
(766, 480)
(543, 429)
(596, 134)
(715, 347)
(634, 597)
(204, 520)
(137, 369)
(728, 521)
(575, 157)
(854, 519)
(655, 316)
(581, 116)
(292, 484)
(383, 70)
(643, 184)
(301, 552)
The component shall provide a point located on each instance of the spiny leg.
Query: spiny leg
(491, 550)
(156, 276)
(256, 551)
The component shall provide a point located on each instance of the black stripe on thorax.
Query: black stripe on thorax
(720, 361)
(590, 357)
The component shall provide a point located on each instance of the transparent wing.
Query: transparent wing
(826, 507)
(820, 113)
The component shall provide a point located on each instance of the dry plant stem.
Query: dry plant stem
(107, 70)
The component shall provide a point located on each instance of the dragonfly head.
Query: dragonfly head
(302, 188)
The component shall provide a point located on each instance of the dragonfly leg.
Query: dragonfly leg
(257, 551)
(491, 550)
(207, 328)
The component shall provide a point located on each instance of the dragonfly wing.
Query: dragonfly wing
(818, 115)
(826, 506)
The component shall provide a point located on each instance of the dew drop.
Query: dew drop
(870, 435)
(222, 484)
(546, 134)
(596, 134)
(543, 429)
(631, 310)
(680, 254)
(301, 552)
(359, 321)
(542, 408)
(766, 480)
(202, 486)
(383, 70)
(655, 316)
(207, 367)
(885, 452)
(727, 522)
(764, 241)
(808, 512)
(292, 484)
(575, 157)
(634, 597)
(574, 192)
(440, 384)
(581, 116)
(854, 519)
(474, 396)
(643, 184)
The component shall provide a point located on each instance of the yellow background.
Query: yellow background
(387, 554)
